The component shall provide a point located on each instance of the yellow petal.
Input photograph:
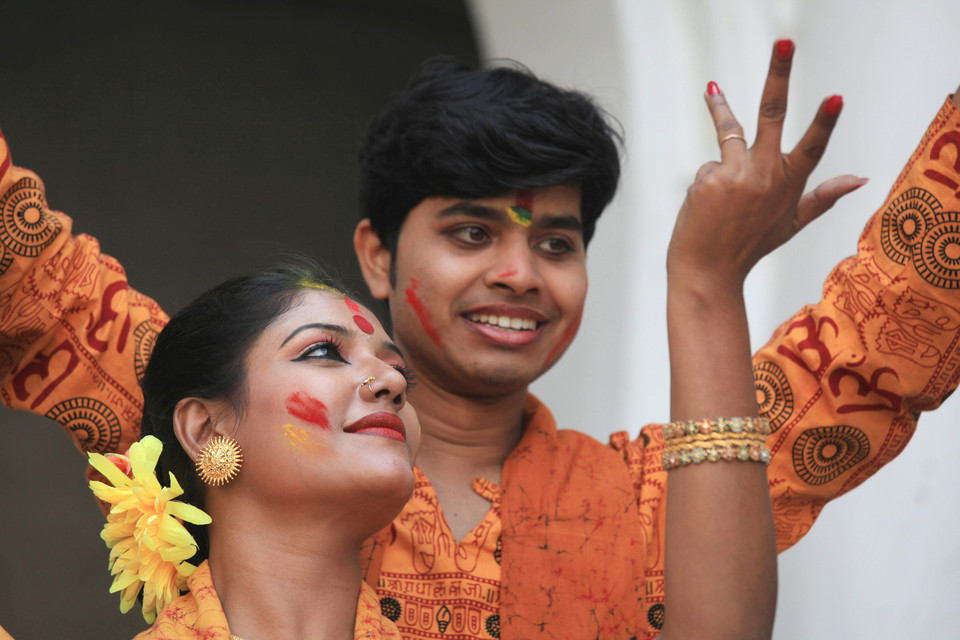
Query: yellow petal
(109, 470)
(188, 512)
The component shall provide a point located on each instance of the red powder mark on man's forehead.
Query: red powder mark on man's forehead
(422, 314)
(525, 199)
(309, 409)
(362, 323)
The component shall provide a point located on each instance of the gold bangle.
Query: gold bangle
(721, 450)
(685, 428)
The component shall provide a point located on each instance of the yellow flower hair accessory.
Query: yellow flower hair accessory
(148, 545)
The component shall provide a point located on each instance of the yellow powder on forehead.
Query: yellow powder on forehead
(321, 286)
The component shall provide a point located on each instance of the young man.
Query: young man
(480, 191)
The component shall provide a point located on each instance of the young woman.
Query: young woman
(279, 406)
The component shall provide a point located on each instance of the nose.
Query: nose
(515, 267)
(387, 386)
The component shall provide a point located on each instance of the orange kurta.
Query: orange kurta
(842, 382)
(199, 614)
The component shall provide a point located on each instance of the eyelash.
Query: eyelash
(307, 354)
(408, 375)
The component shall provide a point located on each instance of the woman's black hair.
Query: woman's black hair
(201, 353)
(467, 133)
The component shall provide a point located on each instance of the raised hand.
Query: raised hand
(752, 201)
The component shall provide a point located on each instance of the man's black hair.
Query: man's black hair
(461, 132)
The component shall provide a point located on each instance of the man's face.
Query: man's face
(489, 292)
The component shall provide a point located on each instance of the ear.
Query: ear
(374, 259)
(197, 420)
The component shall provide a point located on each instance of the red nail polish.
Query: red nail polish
(712, 88)
(784, 48)
(833, 106)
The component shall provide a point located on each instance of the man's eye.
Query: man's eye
(555, 246)
(326, 350)
(471, 234)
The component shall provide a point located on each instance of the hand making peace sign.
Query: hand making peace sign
(752, 201)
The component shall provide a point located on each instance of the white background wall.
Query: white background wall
(883, 561)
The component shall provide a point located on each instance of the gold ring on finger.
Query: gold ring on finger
(732, 136)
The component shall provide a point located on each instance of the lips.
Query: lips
(381, 423)
(506, 325)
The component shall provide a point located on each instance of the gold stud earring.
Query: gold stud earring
(219, 460)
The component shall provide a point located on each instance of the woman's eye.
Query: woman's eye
(408, 375)
(323, 351)
(472, 234)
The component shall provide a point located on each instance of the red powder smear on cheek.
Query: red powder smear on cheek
(362, 323)
(307, 408)
(422, 314)
(565, 339)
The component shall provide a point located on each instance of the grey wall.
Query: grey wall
(196, 140)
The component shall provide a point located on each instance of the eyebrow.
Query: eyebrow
(389, 346)
(566, 222)
(333, 328)
(343, 331)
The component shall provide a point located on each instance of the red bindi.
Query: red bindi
(362, 323)
(309, 409)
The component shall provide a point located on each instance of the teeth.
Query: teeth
(504, 322)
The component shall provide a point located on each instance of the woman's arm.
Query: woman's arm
(720, 541)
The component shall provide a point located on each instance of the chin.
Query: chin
(376, 507)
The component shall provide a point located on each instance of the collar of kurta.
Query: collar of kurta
(199, 613)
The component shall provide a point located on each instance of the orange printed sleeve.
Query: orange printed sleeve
(74, 337)
(844, 381)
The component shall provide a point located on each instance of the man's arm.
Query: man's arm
(73, 335)
(844, 381)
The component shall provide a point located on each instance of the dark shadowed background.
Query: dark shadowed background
(196, 140)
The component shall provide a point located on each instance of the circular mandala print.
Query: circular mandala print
(905, 222)
(493, 625)
(144, 338)
(774, 395)
(26, 228)
(91, 422)
(824, 453)
(655, 616)
(939, 258)
(6, 259)
(390, 608)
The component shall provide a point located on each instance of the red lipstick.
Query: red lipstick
(381, 423)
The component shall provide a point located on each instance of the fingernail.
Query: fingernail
(863, 181)
(833, 106)
(712, 88)
(784, 48)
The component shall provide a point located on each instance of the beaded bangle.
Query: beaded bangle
(727, 450)
(687, 428)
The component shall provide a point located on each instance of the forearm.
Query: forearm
(720, 552)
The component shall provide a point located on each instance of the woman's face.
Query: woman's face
(309, 427)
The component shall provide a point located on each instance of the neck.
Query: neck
(298, 580)
(466, 436)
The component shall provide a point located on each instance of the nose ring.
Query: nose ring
(366, 381)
